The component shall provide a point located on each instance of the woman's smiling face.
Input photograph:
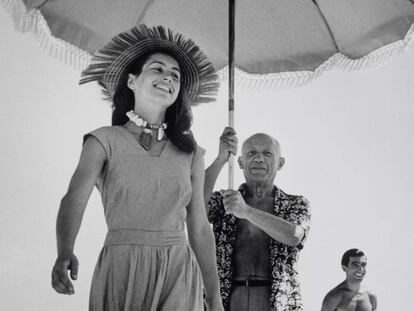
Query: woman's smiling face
(159, 80)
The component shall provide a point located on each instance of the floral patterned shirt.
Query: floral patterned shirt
(285, 291)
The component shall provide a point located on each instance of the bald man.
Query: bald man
(259, 229)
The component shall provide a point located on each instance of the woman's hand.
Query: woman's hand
(60, 280)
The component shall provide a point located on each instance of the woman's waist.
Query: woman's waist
(145, 237)
(149, 218)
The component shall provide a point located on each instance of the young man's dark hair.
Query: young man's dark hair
(353, 252)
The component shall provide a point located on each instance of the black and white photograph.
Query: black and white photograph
(217, 155)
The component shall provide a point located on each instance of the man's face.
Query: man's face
(356, 268)
(260, 159)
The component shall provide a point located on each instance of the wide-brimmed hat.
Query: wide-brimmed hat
(108, 66)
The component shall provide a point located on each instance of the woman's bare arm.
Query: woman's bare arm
(201, 239)
(72, 207)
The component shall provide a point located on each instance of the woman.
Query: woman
(150, 173)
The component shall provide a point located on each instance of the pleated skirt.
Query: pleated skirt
(145, 270)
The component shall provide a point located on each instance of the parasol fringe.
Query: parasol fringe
(276, 81)
(33, 21)
(17, 9)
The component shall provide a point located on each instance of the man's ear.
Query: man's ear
(344, 268)
(130, 82)
(281, 163)
(240, 161)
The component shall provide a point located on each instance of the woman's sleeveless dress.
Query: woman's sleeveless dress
(146, 262)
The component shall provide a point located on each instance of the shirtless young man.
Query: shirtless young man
(350, 295)
(259, 229)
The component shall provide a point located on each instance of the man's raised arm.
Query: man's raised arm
(228, 144)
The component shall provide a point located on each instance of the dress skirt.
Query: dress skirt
(146, 270)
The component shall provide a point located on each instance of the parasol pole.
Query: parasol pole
(232, 11)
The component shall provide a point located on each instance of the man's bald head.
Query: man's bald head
(262, 138)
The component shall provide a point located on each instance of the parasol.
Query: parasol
(278, 43)
(284, 42)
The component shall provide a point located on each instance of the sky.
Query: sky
(347, 138)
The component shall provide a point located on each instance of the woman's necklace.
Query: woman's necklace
(145, 138)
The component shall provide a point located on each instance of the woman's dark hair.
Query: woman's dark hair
(178, 116)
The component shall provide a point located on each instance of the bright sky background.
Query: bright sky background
(347, 139)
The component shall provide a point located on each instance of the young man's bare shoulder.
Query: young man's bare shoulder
(332, 299)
